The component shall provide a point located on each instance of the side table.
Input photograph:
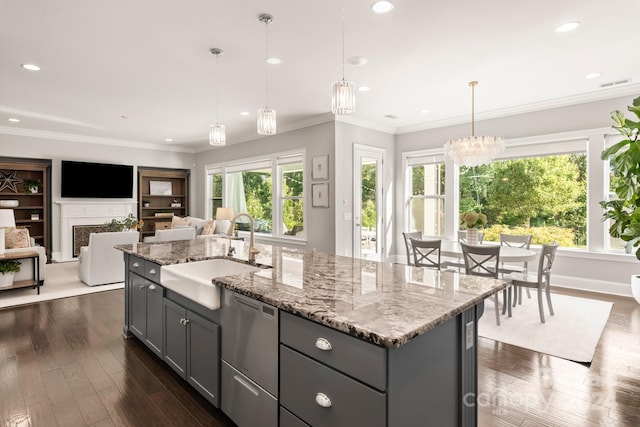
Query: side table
(35, 282)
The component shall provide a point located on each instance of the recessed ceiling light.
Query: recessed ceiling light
(30, 67)
(273, 60)
(168, 139)
(592, 75)
(14, 120)
(567, 27)
(357, 60)
(382, 6)
(425, 111)
(244, 113)
(364, 88)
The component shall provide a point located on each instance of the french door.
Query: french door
(368, 231)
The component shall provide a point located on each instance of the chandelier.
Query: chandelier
(474, 150)
(266, 115)
(343, 98)
(216, 130)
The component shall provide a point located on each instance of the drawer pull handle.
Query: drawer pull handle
(323, 344)
(152, 271)
(246, 385)
(323, 400)
(142, 287)
(136, 265)
(152, 287)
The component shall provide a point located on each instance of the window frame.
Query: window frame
(424, 157)
(273, 162)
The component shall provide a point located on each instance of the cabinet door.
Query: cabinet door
(175, 337)
(137, 306)
(153, 339)
(203, 353)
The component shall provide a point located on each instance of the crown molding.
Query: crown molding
(69, 137)
(366, 124)
(600, 95)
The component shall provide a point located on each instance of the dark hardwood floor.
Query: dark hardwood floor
(65, 363)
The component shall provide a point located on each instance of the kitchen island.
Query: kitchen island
(356, 342)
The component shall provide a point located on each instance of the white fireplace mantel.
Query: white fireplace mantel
(87, 213)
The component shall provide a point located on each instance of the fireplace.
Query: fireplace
(92, 215)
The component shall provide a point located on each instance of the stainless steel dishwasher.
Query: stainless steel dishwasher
(249, 369)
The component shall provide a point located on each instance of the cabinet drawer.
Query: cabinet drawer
(152, 271)
(321, 396)
(287, 419)
(136, 265)
(245, 402)
(356, 358)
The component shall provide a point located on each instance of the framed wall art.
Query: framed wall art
(320, 167)
(160, 188)
(320, 195)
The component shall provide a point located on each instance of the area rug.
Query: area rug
(572, 333)
(61, 281)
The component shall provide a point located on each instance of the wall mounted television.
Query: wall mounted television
(96, 180)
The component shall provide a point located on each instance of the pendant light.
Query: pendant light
(474, 150)
(343, 95)
(216, 131)
(266, 115)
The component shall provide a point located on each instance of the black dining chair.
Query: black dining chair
(541, 280)
(484, 261)
(426, 253)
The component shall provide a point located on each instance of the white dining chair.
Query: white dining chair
(407, 243)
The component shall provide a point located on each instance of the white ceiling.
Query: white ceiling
(149, 60)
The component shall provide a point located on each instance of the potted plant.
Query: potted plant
(35, 215)
(8, 268)
(624, 211)
(471, 220)
(31, 185)
(128, 223)
(146, 203)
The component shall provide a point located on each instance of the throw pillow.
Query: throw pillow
(176, 221)
(15, 238)
(198, 223)
(209, 228)
(222, 226)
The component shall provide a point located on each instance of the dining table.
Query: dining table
(452, 248)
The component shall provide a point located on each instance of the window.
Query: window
(276, 206)
(291, 179)
(215, 191)
(426, 207)
(544, 196)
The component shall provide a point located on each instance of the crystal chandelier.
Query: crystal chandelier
(266, 115)
(216, 130)
(343, 97)
(474, 150)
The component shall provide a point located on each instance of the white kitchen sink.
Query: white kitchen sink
(193, 279)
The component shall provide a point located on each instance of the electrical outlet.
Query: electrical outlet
(469, 334)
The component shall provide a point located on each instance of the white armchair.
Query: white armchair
(100, 263)
(7, 220)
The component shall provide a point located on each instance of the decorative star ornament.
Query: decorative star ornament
(9, 180)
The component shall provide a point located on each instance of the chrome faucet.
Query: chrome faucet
(252, 250)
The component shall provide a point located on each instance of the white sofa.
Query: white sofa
(187, 232)
(100, 263)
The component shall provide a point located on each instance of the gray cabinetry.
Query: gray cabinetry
(145, 300)
(192, 349)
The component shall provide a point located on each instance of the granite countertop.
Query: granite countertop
(382, 303)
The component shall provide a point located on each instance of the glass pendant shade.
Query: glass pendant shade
(474, 150)
(217, 134)
(343, 97)
(266, 121)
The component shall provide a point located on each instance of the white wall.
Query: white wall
(346, 136)
(582, 269)
(316, 140)
(58, 150)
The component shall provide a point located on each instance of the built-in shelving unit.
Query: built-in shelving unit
(166, 191)
(14, 171)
